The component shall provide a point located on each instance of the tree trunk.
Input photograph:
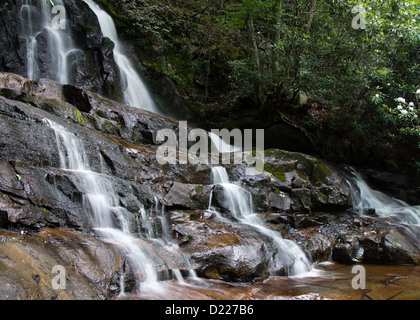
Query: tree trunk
(275, 57)
(253, 41)
(311, 16)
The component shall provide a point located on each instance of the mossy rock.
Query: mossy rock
(110, 128)
(320, 174)
(276, 170)
(279, 162)
(80, 117)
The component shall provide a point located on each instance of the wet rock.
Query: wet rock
(188, 196)
(278, 218)
(370, 212)
(10, 181)
(279, 201)
(221, 249)
(301, 200)
(304, 221)
(317, 245)
(310, 184)
(385, 293)
(389, 245)
(13, 50)
(220, 199)
(92, 267)
(92, 66)
(27, 266)
(400, 245)
(41, 204)
(77, 97)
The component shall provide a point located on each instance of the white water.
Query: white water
(240, 206)
(384, 205)
(36, 19)
(221, 145)
(101, 198)
(135, 91)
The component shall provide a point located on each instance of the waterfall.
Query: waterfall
(240, 206)
(221, 145)
(366, 199)
(108, 218)
(135, 92)
(48, 50)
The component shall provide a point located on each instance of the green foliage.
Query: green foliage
(226, 57)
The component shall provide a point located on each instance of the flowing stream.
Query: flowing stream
(42, 38)
(58, 50)
(366, 199)
(135, 92)
(289, 253)
(108, 218)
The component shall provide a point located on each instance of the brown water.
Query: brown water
(332, 281)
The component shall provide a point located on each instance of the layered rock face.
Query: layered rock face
(46, 222)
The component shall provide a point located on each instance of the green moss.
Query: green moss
(276, 171)
(80, 117)
(199, 189)
(302, 163)
(110, 9)
(302, 175)
(320, 173)
(45, 210)
(92, 27)
(111, 128)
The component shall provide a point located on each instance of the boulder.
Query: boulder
(280, 201)
(306, 182)
(390, 245)
(220, 249)
(92, 268)
(188, 196)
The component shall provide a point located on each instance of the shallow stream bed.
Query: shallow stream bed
(327, 281)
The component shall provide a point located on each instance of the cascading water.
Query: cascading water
(221, 145)
(49, 50)
(240, 206)
(366, 199)
(135, 91)
(108, 218)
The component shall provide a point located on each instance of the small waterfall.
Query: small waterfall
(135, 91)
(367, 199)
(108, 219)
(49, 51)
(240, 206)
(221, 145)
